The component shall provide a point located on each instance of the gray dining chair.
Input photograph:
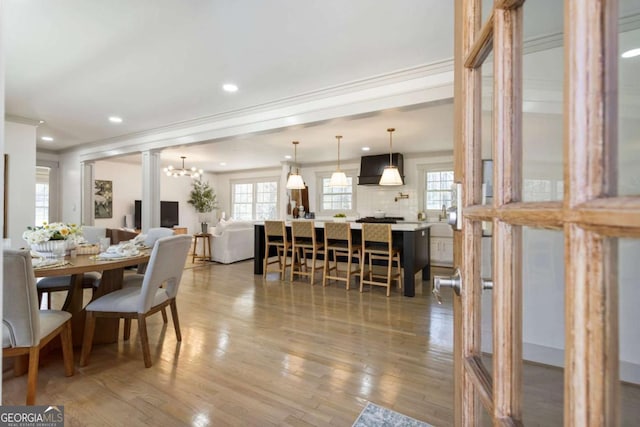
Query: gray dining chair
(90, 280)
(159, 290)
(25, 328)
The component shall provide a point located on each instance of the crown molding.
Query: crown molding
(427, 83)
(23, 120)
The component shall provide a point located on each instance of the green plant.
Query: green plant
(340, 215)
(202, 197)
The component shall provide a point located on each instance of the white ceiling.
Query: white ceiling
(73, 63)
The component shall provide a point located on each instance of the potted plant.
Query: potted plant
(340, 217)
(203, 199)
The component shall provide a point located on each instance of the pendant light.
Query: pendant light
(295, 181)
(390, 175)
(338, 178)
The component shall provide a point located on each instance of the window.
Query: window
(438, 189)
(42, 195)
(255, 199)
(336, 199)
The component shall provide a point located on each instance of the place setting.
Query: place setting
(117, 252)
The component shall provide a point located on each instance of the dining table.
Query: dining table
(112, 271)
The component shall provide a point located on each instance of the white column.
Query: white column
(150, 189)
(87, 172)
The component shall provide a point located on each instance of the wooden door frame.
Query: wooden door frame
(591, 215)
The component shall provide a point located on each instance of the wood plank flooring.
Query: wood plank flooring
(265, 352)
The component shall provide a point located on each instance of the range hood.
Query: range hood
(371, 167)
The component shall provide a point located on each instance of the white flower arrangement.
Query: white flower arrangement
(53, 231)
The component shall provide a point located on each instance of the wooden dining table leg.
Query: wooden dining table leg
(106, 331)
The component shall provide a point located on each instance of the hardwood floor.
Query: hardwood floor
(265, 352)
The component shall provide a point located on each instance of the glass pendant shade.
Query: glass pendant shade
(295, 181)
(390, 175)
(338, 178)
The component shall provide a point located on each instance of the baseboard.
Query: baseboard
(629, 372)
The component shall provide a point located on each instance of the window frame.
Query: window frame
(423, 169)
(350, 173)
(254, 182)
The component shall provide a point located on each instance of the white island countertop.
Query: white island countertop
(399, 226)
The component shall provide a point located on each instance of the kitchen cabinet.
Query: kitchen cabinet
(441, 250)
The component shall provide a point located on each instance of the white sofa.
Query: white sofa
(232, 241)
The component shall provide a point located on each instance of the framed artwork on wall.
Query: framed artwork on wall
(103, 199)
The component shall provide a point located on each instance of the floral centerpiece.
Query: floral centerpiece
(45, 239)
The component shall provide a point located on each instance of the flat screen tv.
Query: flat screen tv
(168, 214)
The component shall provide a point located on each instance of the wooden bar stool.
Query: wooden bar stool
(275, 235)
(206, 247)
(304, 244)
(377, 243)
(338, 241)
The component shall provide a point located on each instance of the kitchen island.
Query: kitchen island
(412, 238)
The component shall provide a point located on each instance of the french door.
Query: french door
(591, 215)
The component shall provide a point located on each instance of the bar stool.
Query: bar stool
(377, 243)
(206, 247)
(275, 235)
(303, 238)
(337, 240)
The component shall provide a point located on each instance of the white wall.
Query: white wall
(20, 145)
(70, 188)
(127, 188)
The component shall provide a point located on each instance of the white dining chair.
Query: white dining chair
(25, 328)
(165, 267)
(93, 234)
(153, 234)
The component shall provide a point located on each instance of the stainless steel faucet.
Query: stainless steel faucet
(443, 216)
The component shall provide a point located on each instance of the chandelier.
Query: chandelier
(193, 173)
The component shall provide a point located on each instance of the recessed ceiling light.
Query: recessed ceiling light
(230, 87)
(47, 138)
(366, 148)
(115, 119)
(223, 163)
(631, 53)
(287, 156)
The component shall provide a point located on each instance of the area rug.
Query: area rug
(374, 415)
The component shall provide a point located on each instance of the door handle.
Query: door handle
(454, 282)
(487, 284)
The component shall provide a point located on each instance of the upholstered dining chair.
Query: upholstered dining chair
(25, 328)
(153, 234)
(377, 244)
(93, 234)
(304, 247)
(275, 236)
(165, 267)
(338, 242)
(90, 280)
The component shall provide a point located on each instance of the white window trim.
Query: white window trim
(353, 174)
(422, 170)
(254, 181)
